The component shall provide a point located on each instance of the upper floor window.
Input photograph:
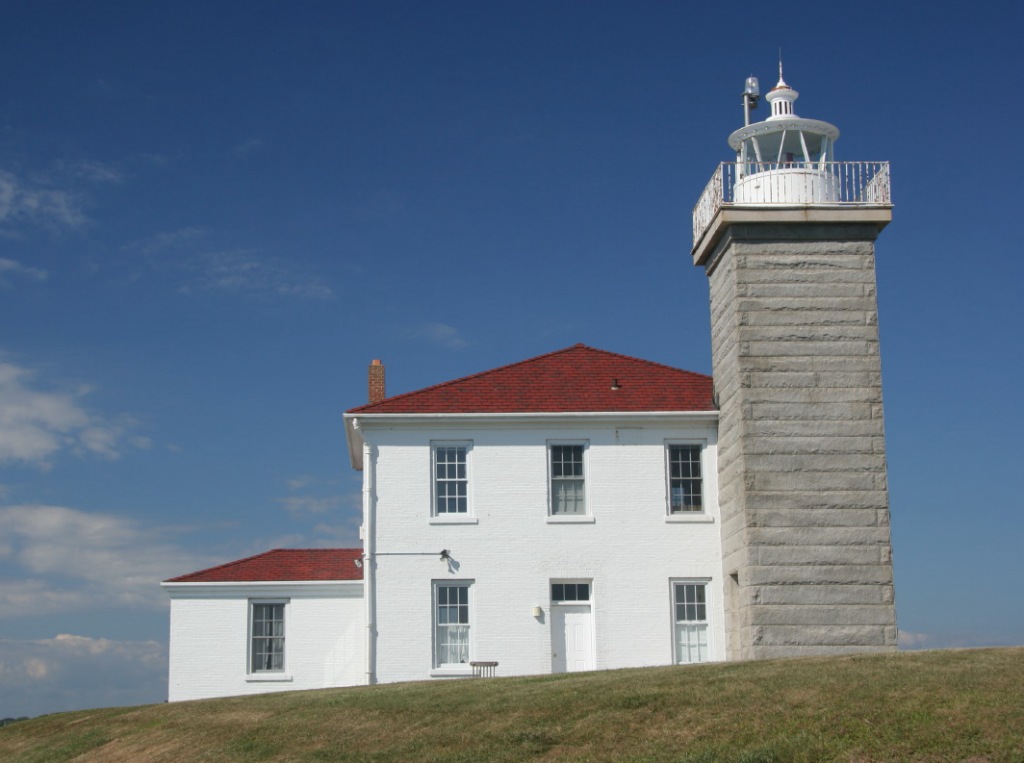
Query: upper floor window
(451, 479)
(266, 647)
(568, 494)
(685, 480)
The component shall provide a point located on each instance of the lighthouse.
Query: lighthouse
(786, 235)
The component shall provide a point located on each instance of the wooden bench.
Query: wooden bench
(483, 668)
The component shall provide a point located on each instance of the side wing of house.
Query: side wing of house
(233, 637)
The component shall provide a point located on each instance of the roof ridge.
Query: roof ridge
(635, 359)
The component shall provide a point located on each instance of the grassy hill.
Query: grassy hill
(920, 706)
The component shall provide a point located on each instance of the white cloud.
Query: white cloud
(58, 559)
(35, 424)
(441, 334)
(910, 640)
(37, 204)
(71, 672)
(12, 268)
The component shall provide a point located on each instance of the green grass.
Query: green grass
(920, 706)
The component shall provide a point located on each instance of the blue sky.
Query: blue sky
(214, 215)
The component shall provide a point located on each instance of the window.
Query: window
(567, 480)
(451, 479)
(690, 613)
(266, 648)
(562, 593)
(685, 484)
(451, 624)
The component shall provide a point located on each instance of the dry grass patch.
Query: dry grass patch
(921, 707)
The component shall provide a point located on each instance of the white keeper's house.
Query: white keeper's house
(587, 510)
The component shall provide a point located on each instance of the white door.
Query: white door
(572, 638)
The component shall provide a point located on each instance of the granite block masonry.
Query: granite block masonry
(805, 516)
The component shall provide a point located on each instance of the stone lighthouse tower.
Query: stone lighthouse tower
(786, 236)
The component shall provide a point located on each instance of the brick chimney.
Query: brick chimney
(376, 382)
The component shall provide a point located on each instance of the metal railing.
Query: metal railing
(755, 184)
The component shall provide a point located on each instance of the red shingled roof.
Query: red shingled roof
(576, 379)
(286, 564)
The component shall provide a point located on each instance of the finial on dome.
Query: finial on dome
(782, 96)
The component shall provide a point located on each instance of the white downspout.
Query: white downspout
(369, 559)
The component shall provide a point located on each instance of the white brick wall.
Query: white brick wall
(512, 552)
(324, 638)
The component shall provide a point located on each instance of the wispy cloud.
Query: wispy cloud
(10, 269)
(36, 423)
(165, 240)
(306, 504)
(60, 673)
(315, 501)
(247, 272)
(56, 559)
(441, 334)
(242, 271)
(95, 172)
(26, 202)
(343, 535)
(300, 482)
(247, 147)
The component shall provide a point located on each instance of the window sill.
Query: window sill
(570, 519)
(452, 672)
(268, 678)
(458, 519)
(694, 518)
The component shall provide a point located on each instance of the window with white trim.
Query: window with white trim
(451, 624)
(451, 478)
(685, 479)
(266, 639)
(690, 617)
(568, 481)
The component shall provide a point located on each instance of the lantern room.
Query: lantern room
(785, 158)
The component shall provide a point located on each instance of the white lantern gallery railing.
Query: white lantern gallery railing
(754, 184)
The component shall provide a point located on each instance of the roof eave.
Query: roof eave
(527, 417)
(223, 585)
(354, 439)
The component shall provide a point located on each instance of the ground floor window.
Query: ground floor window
(690, 613)
(451, 624)
(266, 648)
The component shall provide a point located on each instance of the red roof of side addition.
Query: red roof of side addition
(576, 379)
(283, 564)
